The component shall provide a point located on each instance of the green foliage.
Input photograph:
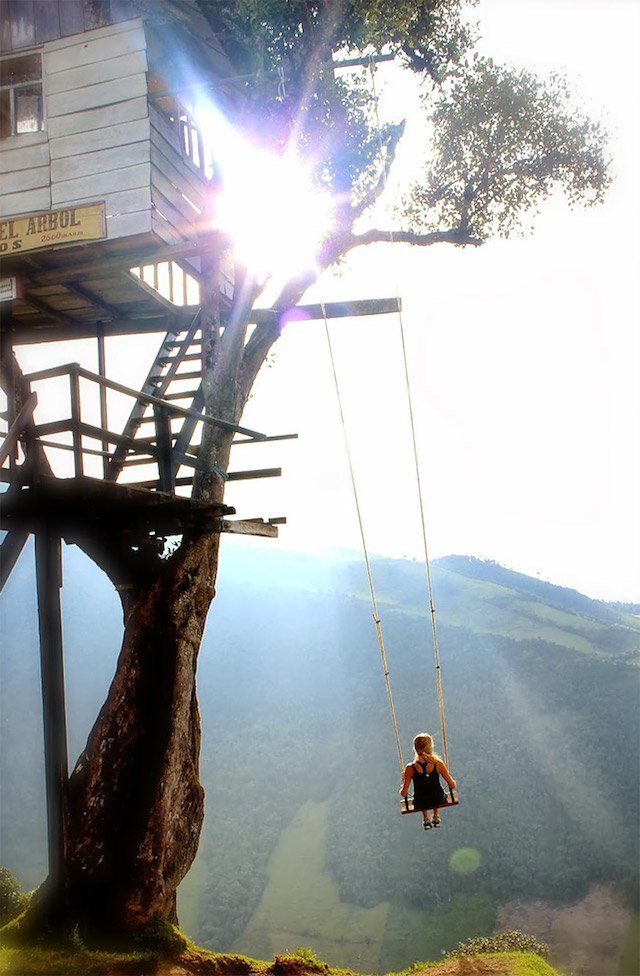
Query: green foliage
(302, 955)
(503, 141)
(511, 941)
(13, 901)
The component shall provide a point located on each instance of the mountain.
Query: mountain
(303, 842)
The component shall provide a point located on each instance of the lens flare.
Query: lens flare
(465, 860)
(268, 204)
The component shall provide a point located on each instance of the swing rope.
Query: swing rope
(432, 611)
(365, 550)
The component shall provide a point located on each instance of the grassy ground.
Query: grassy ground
(630, 962)
(301, 905)
(39, 962)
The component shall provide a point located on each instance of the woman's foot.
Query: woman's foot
(436, 822)
(426, 824)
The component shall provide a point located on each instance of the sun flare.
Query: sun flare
(268, 204)
(273, 213)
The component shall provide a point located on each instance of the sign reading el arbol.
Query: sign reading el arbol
(38, 230)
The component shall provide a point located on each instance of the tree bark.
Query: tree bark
(135, 802)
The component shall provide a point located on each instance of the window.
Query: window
(20, 95)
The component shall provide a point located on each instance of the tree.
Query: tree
(500, 142)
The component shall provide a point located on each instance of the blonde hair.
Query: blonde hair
(423, 745)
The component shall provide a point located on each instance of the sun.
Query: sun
(268, 204)
(274, 214)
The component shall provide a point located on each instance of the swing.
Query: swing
(406, 803)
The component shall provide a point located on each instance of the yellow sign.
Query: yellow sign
(69, 226)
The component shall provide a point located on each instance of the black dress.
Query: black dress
(427, 791)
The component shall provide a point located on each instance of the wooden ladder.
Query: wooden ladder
(165, 382)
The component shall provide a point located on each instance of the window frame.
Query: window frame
(37, 83)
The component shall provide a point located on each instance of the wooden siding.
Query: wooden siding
(103, 141)
(180, 193)
(97, 144)
(25, 177)
(28, 23)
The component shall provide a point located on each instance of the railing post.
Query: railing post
(74, 389)
(102, 370)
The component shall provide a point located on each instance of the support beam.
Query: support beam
(49, 582)
(12, 545)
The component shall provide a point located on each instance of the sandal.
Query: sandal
(427, 824)
(436, 822)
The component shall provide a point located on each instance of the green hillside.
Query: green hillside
(303, 842)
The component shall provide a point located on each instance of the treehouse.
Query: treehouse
(103, 167)
(105, 211)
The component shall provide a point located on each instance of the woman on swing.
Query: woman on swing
(425, 771)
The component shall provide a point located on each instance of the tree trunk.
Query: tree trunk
(135, 803)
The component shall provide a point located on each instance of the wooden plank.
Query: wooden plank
(47, 18)
(164, 191)
(89, 121)
(23, 32)
(97, 13)
(122, 10)
(26, 179)
(94, 96)
(92, 74)
(24, 157)
(19, 425)
(12, 545)
(105, 137)
(108, 42)
(256, 473)
(122, 263)
(173, 168)
(127, 201)
(30, 201)
(96, 163)
(71, 17)
(250, 527)
(100, 185)
(166, 129)
(333, 310)
(5, 27)
(165, 231)
(128, 225)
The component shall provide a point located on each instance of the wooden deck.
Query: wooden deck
(74, 506)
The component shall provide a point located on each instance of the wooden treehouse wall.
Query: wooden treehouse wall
(103, 139)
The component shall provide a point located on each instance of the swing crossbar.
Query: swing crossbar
(406, 803)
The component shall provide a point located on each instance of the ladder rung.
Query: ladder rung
(163, 360)
(188, 394)
(187, 376)
(178, 343)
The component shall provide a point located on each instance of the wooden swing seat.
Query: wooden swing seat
(406, 803)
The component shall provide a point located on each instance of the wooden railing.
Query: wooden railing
(158, 449)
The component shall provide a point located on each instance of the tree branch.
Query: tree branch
(376, 236)
(390, 146)
(264, 336)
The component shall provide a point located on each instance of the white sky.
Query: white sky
(524, 359)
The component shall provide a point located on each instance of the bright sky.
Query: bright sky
(524, 359)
